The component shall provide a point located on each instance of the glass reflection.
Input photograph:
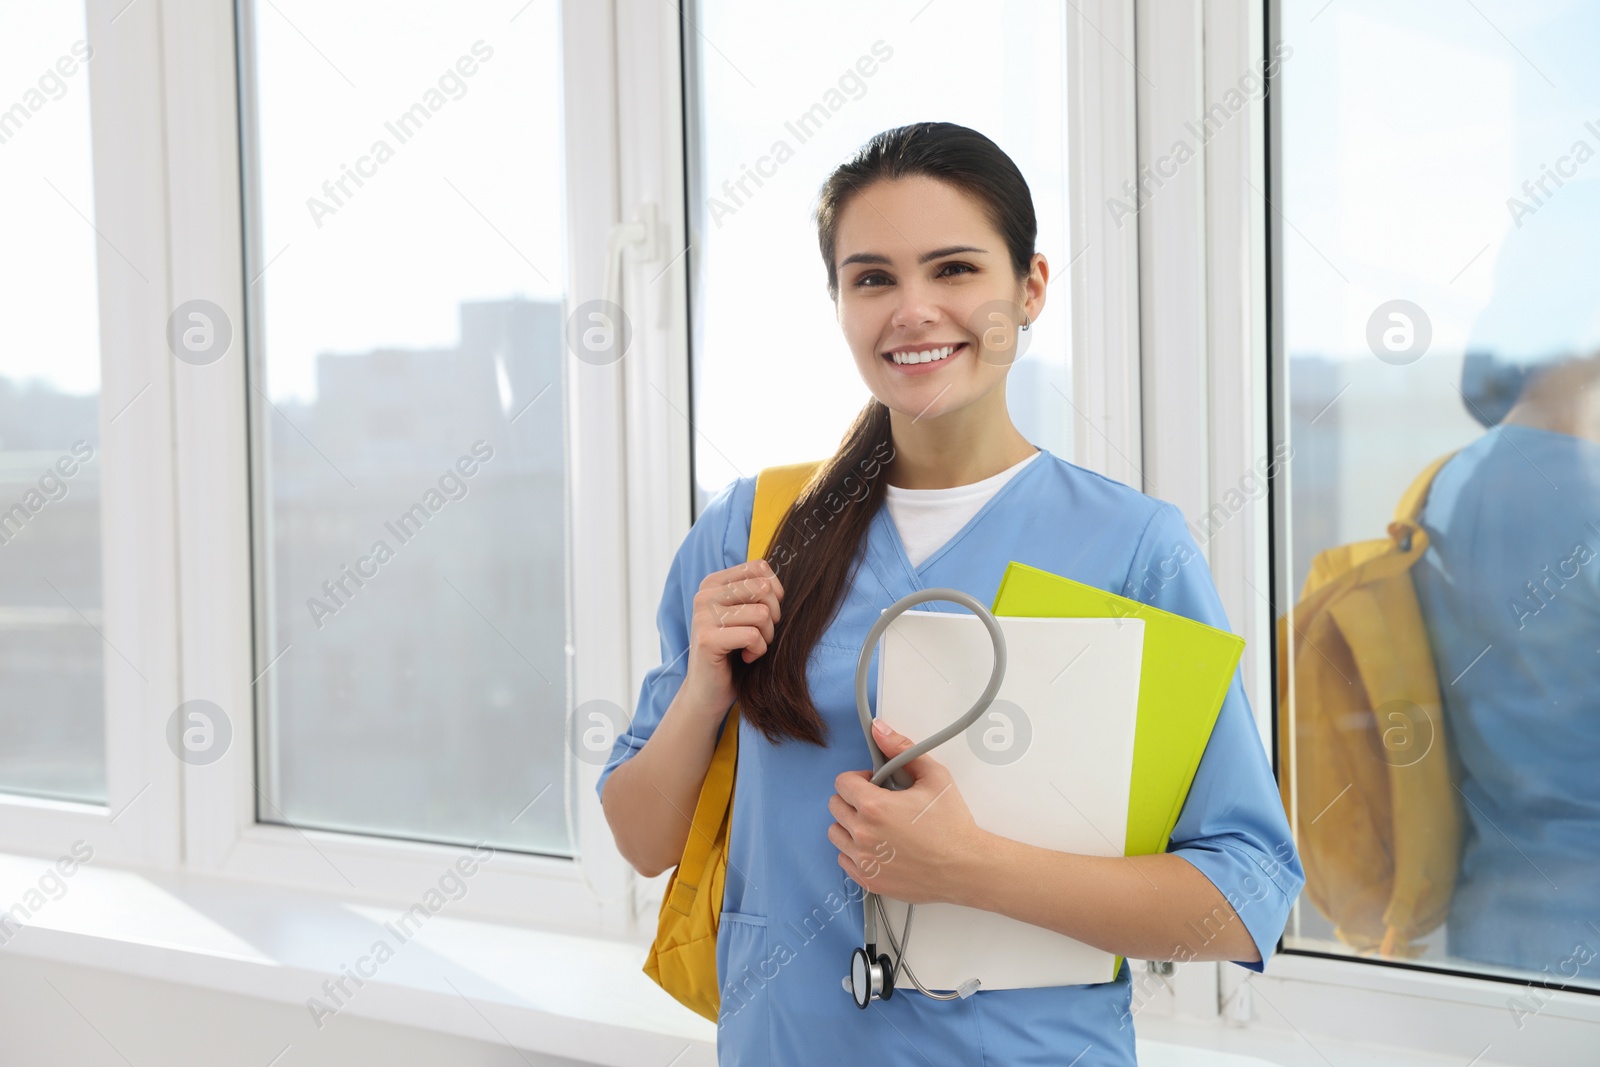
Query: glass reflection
(1437, 209)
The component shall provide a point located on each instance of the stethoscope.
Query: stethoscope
(871, 972)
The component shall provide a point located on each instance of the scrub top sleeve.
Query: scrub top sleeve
(1232, 826)
(718, 539)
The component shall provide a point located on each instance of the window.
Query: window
(54, 658)
(406, 266)
(771, 124)
(1436, 217)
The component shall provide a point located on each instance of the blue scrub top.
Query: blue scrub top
(1510, 590)
(792, 916)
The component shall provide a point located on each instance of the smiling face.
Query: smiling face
(923, 275)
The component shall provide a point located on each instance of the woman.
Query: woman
(927, 236)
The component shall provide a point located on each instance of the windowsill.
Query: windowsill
(580, 997)
(559, 994)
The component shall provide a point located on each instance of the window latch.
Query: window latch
(643, 234)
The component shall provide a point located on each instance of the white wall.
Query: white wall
(95, 1017)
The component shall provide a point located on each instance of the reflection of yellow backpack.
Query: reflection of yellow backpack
(1377, 825)
(683, 957)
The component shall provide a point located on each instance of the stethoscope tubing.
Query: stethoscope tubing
(891, 770)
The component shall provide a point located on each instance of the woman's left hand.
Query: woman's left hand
(909, 844)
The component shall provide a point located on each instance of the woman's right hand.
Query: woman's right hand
(734, 611)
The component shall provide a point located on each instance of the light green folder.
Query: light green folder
(1183, 679)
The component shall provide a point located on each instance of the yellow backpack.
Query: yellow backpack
(1378, 824)
(683, 957)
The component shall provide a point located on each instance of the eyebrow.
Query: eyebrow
(937, 253)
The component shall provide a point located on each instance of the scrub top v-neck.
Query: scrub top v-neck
(925, 519)
(791, 916)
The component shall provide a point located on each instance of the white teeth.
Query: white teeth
(924, 357)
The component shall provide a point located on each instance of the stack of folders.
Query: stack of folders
(1090, 746)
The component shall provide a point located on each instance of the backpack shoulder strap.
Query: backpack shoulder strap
(777, 488)
(1410, 507)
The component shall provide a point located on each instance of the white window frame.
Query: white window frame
(138, 824)
(1102, 127)
(221, 834)
(1204, 313)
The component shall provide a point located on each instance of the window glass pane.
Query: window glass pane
(1440, 234)
(52, 722)
(404, 169)
(773, 122)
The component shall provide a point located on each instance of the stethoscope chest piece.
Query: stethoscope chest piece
(870, 979)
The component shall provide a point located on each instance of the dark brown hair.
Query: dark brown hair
(819, 541)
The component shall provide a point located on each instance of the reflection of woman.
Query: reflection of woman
(927, 236)
(1510, 589)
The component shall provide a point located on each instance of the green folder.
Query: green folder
(1183, 678)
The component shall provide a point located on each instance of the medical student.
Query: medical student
(925, 234)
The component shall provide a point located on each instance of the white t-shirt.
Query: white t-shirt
(927, 518)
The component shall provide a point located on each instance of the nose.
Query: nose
(915, 308)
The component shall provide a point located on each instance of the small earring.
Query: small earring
(1025, 321)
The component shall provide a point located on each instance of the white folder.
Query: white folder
(1049, 764)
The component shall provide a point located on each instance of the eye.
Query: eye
(862, 282)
